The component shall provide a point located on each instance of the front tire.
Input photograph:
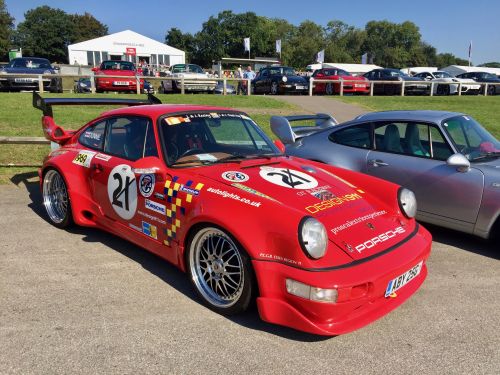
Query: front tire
(329, 89)
(220, 271)
(56, 199)
(274, 88)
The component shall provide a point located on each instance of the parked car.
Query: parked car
(469, 86)
(82, 85)
(29, 65)
(484, 77)
(219, 89)
(353, 84)
(276, 80)
(148, 88)
(117, 69)
(205, 188)
(195, 79)
(413, 85)
(448, 159)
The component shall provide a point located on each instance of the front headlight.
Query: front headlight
(312, 237)
(407, 202)
(284, 78)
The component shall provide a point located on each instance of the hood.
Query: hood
(124, 73)
(190, 75)
(354, 78)
(359, 224)
(296, 79)
(28, 70)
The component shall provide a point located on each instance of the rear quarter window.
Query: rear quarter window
(354, 136)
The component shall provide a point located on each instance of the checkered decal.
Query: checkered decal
(177, 200)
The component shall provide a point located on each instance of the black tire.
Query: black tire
(274, 88)
(220, 271)
(56, 200)
(329, 89)
(491, 90)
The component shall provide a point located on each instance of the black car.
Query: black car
(411, 87)
(83, 85)
(484, 77)
(29, 65)
(279, 80)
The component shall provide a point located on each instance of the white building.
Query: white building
(125, 45)
(455, 70)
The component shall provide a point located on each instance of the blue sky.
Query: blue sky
(448, 25)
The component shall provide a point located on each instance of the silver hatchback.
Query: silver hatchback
(447, 159)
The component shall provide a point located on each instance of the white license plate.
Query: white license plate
(359, 85)
(300, 87)
(421, 86)
(403, 279)
(25, 80)
(121, 83)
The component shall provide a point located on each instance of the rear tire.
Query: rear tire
(56, 199)
(329, 89)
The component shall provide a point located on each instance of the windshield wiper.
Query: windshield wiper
(486, 155)
(244, 157)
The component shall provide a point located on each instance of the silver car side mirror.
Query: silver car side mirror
(459, 161)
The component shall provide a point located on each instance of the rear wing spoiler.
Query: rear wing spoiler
(281, 127)
(55, 133)
(45, 104)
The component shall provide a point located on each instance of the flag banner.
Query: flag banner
(364, 59)
(246, 44)
(278, 46)
(320, 56)
(470, 48)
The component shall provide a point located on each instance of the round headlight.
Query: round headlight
(312, 237)
(284, 79)
(407, 202)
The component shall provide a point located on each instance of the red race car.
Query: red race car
(321, 249)
(117, 69)
(352, 84)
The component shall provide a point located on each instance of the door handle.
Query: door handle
(377, 163)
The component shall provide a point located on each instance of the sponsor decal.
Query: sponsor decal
(279, 258)
(176, 120)
(337, 201)
(350, 223)
(235, 176)
(84, 158)
(103, 157)
(302, 193)
(288, 178)
(323, 195)
(122, 191)
(147, 184)
(135, 227)
(151, 217)
(252, 191)
(154, 206)
(92, 135)
(236, 197)
(206, 157)
(149, 230)
(178, 201)
(379, 239)
(159, 196)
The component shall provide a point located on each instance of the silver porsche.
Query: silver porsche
(447, 159)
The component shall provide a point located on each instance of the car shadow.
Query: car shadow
(464, 241)
(157, 266)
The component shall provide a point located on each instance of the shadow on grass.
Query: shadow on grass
(156, 265)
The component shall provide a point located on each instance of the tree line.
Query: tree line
(47, 32)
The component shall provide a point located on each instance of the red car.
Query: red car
(117, 69)
(353, 84)
(321, 249)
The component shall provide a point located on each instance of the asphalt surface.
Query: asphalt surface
(84, 301)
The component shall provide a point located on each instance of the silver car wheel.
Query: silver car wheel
(55, 197)
(329, 89)
(274, 88)
(216, 267)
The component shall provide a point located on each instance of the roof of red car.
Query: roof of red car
(162, 109)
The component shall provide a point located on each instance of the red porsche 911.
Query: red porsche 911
(119, 76)
(320, 249)
(352, 84)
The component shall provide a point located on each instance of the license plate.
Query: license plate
(121, 83)
(24, 80)
(359, 85)
(300, 87)
(421, 86)
(403, 279)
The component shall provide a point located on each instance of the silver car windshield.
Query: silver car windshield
(442, 75)
(470, 138)
(192, 139)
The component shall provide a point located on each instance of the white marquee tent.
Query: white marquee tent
(125, 45)
(455, 70)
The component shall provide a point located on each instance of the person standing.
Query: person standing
(249, 75)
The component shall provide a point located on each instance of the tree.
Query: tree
(86, 27)
(45, 32)
(307, 40)
(6, 28)
(491, 65)
(184, 42)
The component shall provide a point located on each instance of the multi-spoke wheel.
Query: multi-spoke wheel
(274, 88)
(329, 89)
(56, 199)
(220, 271)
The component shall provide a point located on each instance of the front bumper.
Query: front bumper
(291, 88)
(118, 84)
(30, 84)
(361, 289)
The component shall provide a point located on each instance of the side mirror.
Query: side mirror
(280, 146)
(150, 165)
(459, 161)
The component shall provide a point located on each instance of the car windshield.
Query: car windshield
(442, 75)
(396, 73)
(198, 138)
(470, 138)
(28, 63)
(117, 65)
(185, 68)
(286, 71)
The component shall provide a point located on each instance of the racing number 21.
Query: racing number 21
(121, 190)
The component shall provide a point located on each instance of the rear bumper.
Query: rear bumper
(361, 289)
(118, 84)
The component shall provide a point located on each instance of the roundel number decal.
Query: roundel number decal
(288, 178)
(122, 191)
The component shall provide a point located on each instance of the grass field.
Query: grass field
(486, 110)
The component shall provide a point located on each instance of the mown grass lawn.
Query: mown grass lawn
(486, 110)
